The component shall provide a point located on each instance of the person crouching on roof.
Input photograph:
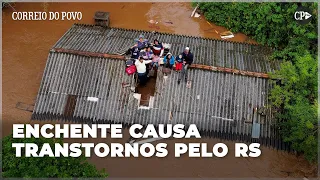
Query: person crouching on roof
(187, 57)
(155, 61)
(141, 43)
(142, 70)
(168, 61)
(157, 48)
(147, 54)
(135, 52)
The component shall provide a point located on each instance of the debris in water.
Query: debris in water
(153, 22)
(24, 106)
(194, 11)
(169, 22)
(196, 15)
(226, 35)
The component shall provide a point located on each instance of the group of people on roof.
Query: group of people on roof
(147, 56)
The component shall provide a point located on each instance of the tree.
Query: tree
(294, 99)
(45, 167)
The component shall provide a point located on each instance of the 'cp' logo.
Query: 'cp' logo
(302, 15)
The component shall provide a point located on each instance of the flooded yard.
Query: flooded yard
(26, 45)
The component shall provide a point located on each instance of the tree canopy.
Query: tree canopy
(44, 167)
(294, 99)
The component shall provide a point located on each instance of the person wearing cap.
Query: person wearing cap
(168, 61)
(187, 58)
(142, 70)
(157, 48)
(141, 43)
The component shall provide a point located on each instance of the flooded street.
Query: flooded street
(26, 45)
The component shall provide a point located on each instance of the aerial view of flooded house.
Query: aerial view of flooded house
(225, 95)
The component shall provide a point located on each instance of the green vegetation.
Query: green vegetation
(294, 98)
(45, 167)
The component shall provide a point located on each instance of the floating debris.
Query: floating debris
(194, 11)
(226, 35)
(153, 22)
(169, 22)
(209, 23)
(196, 15)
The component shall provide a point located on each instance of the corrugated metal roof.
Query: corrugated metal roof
(220, 104)
(206, 51)
(215, 102)
(84, 77)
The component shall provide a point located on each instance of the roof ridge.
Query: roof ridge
(196, 66)
(166, 33)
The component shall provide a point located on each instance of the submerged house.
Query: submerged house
(82, 85)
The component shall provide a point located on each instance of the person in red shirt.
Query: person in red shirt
(187, 58)
(157, 48)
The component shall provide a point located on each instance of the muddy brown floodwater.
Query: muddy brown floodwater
(26, 46)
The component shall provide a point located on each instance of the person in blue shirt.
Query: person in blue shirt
(168, 61)
(141, 43)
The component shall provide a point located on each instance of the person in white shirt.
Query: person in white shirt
(142, 69)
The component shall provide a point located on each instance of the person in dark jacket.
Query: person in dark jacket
(157, 48)
(187, 58)
(135, 52)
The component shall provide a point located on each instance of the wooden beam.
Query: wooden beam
(91, 54)
(230, 70)
(196, 66)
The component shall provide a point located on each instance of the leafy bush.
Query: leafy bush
(44, 167)
(269, 23)
(294, 99)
